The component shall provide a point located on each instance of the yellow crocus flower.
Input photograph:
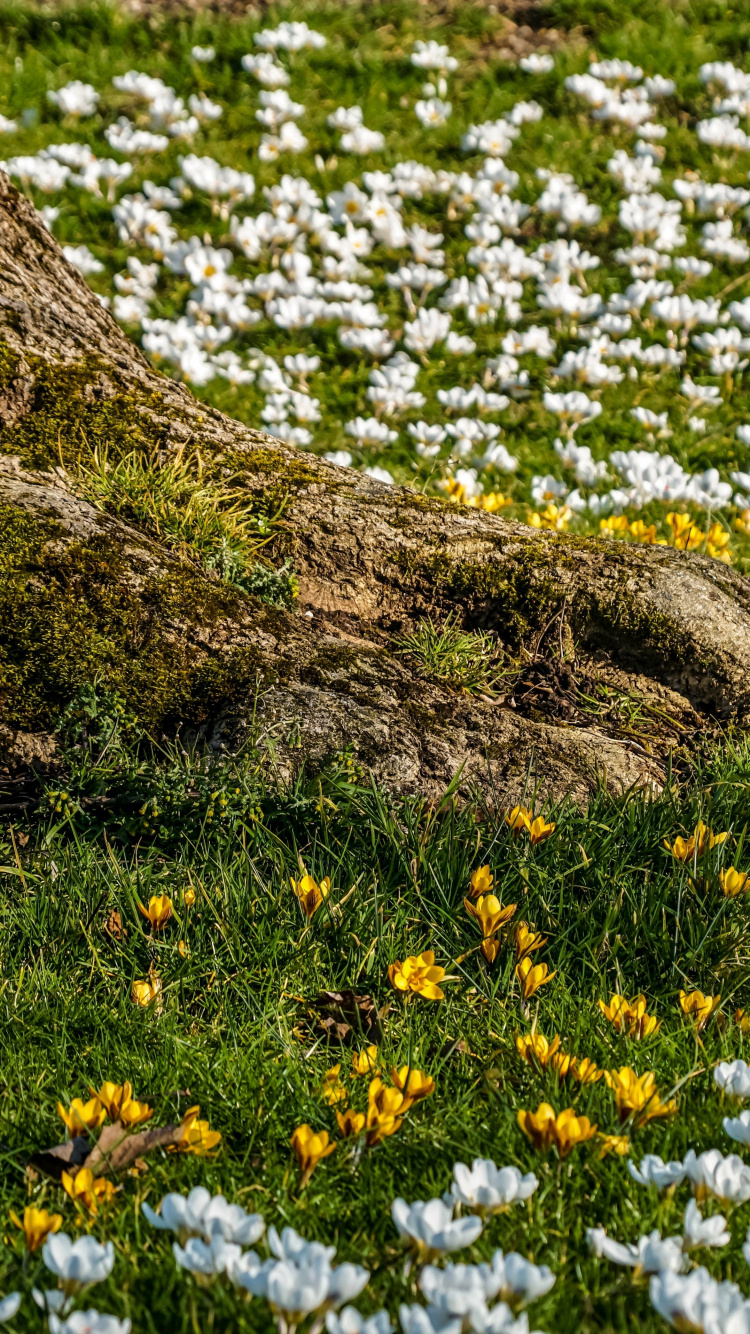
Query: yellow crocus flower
(332, 1090)
(519, 819)
(698, 1007)
(113, 1097)
(309, 1149)
(36, 1225)
(82, 1116)
(365, 1062)
(585, 1071)
(418, 975)
(534, 1048)
(158, 912)
(413, 1084)
(386, 1108)
(197, 1136)
(539, 829)
(84, 1189)
(188, 897)
(532, 977)
(630, 1016)
(527, 941)
(311, 894)
(734, 882)
(490, 914)
(637, 1096)
(481, 882)
(564, 1130)
(351, 1123)
(619, 1144)
(144, 991)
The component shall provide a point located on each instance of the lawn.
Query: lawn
(215, 935)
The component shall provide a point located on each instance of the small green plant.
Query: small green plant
(277, 588)
(177, 504)
(465, 659)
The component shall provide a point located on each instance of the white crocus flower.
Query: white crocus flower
(697, 1302)
(700, 1231)
(88, 1322)
(78, 1263)
(733, 1077)
(486, 1189)
(207, 1260)
(649, 1255)
(712, 1174)
(349, 1321)
(9, 1306)
(429, 1227)
(738, 1127)
(518, 1280)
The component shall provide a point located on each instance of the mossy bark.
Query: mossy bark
(82, 594)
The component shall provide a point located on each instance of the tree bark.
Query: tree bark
(667, 630)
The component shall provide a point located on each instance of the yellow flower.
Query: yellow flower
(698, 1007)
(527, 941)
(585, 1071)
(554, 518)
(413, 1084)
(490, 949)
(545, 1128)
(534, 1048)
(619, 1144)
(37, 1225)
(418, 974)
(351, 1123)
(562, 1063)
(481, 882)
(739, 1015)
(332, 1089)
(489, 913)
(183, 949)
(143, 992)
(630, 1016)
(386, 1108)
(539, 829)
(84, 1189)
(734, 882)
(158, 912)
(532, 977)
(113, 1097)
(686, 536)
(310, 1148)
(197, 1136)
(641, 533)
(614, 523)
(311, 894)
(188, 897)
(700, 841)
(637, 1096)
(682, 848)
(365, 1062)
(519, 818)
(83, 1116)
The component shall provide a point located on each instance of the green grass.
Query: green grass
(237, 1031)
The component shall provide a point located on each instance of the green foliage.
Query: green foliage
(467, 660)
(277, 588)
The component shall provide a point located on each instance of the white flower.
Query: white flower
(428, 328)
(460, 345)
(349, 1321)
(9, 1305)
(201, 1214)
(713, 1174)
(203, 54)
(536, 63)
(88, 1322)
(294, 36)
(649, 1255)
(7, 127)
(361, 140)
(369, 431)
(431, 55)
(379, 475)
(700, 1231)
(733, 1077)
(216, 1257)
(75, 99)
(82, 259)
(341, 457)
(78, 1263)
(345, 118)
(738, 1127)
(653, 1171)
(430, 1228)
(697, 1302)
(518, 1280)
(433, 111)
(265, 69)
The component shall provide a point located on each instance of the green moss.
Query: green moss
(71, 613)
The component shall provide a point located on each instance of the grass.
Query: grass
(467, 660)
(236, 1029)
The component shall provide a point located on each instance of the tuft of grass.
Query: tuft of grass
(464, 659)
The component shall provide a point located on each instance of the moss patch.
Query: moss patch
(72, 613)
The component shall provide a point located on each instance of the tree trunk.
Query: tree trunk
(666, 633)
